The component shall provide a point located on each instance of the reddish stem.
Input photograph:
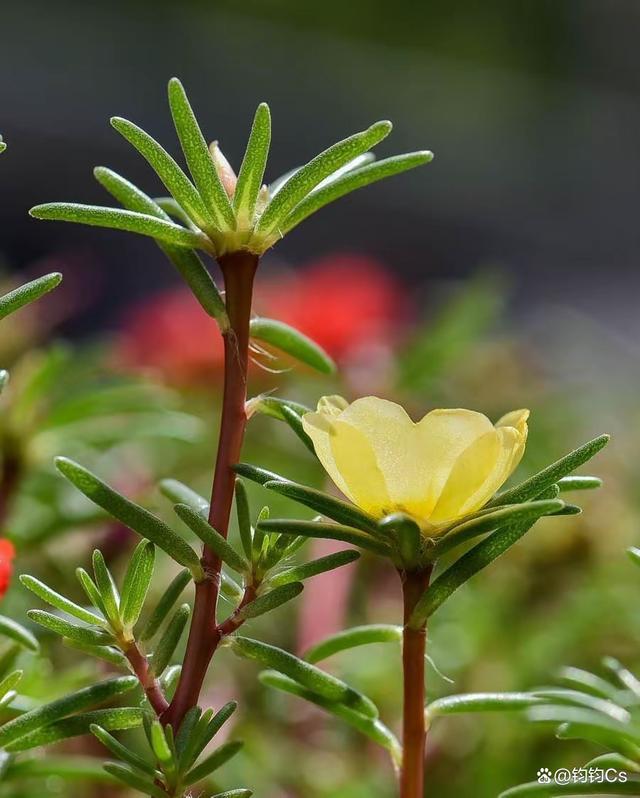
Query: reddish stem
(238, 269)
(414, 731)
(149, 683)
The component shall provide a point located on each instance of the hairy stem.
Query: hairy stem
(238, 269)
(413, 666)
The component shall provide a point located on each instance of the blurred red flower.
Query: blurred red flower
(7, 553)
(344, 302)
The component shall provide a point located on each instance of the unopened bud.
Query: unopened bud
(227, 176)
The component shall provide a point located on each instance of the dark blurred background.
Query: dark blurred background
(532, 109)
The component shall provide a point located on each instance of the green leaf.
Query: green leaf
(243, 513)
(118, 219)
(270, 601)
(107, 589)
(205, 730)
(253, 165)
(352, 180)
(211, 538)
(44, 715)
(132, 515)
(634, 554)
(229, 588)
(481, 555)
(177, 183)
(370, 727)
(9, 682)
(118, 719)
(164, 606)
(214, 761)
(579, 483)
(159, 744)
(309, 176)
(487, 522)
(533, 486)
(297, 573)
(242, 792)
(109, 654)
(336, 509)
(58, 601)
(14, 631)
(324, 684)
(136, 583)
(293, 342)
(4, 379)
(351, 638)
(179, 493)
(589, 683)
(28, 293)
(199, 159)
(83, 634)
(121, 751)
(92, 592)
(624, 675)
(186, 261)
(170, 639)
(68, 768)
(134, 779)
(481, 702)
(317, 529)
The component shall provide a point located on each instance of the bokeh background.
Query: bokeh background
(501, 275)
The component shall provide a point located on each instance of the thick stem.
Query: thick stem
(414, 731)
(238, 269)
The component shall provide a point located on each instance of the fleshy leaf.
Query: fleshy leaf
(28, 293)
(351, 638)
(253, 165)
(293, 342)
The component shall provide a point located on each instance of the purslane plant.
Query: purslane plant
(233, 219)
(418, 493)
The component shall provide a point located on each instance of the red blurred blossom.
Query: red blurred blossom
(344, 302)
(7, 554)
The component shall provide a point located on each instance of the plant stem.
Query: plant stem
(413, 666)
(238, 269)
(149, 683)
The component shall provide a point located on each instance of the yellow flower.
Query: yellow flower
(437, 470)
